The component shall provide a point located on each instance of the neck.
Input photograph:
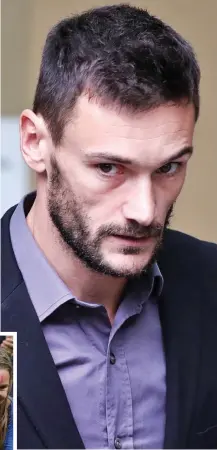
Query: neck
(86, 284)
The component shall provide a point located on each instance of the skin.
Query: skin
(77, 183)
(4, 383)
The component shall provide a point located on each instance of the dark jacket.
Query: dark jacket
(188, 312)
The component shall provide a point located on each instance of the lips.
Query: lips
(132, 241)
(132, 238)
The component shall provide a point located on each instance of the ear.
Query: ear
(33, 136)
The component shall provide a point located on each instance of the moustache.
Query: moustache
(133, 230)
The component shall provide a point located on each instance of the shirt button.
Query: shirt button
(118, 443)
(113, 361)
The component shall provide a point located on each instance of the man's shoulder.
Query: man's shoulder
(188, 251)
(183, 241)
(5, 222)
(10, 273)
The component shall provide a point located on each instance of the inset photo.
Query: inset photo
(8, 390)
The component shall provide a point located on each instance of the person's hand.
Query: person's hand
(7, 344)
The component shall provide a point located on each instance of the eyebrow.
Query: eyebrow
(3, 386)
(119, 159)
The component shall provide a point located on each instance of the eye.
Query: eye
(108, 169)
(169, 168)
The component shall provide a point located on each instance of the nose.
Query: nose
(141, 203)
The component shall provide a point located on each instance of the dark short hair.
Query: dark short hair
(120, 56)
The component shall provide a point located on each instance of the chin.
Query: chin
(130, 265)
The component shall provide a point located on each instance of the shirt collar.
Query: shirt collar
(47, 291)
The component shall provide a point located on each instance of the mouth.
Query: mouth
(133, 241)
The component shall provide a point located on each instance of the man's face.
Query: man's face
(4, 384)
(113, 182)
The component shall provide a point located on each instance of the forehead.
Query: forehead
(164, 127)
(4, 376)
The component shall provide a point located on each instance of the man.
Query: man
(116, 315)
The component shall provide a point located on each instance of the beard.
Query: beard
(74, 227)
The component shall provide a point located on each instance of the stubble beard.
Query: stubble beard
(73, 225)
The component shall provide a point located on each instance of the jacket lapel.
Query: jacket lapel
(39, 387)
(180, 312)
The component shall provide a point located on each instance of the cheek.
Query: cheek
(169, 189)
(102, 209)
(98, 200)
(3, 395)
(166, 194)
(177, 188)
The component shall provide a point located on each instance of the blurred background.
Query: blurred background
(25, 24)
